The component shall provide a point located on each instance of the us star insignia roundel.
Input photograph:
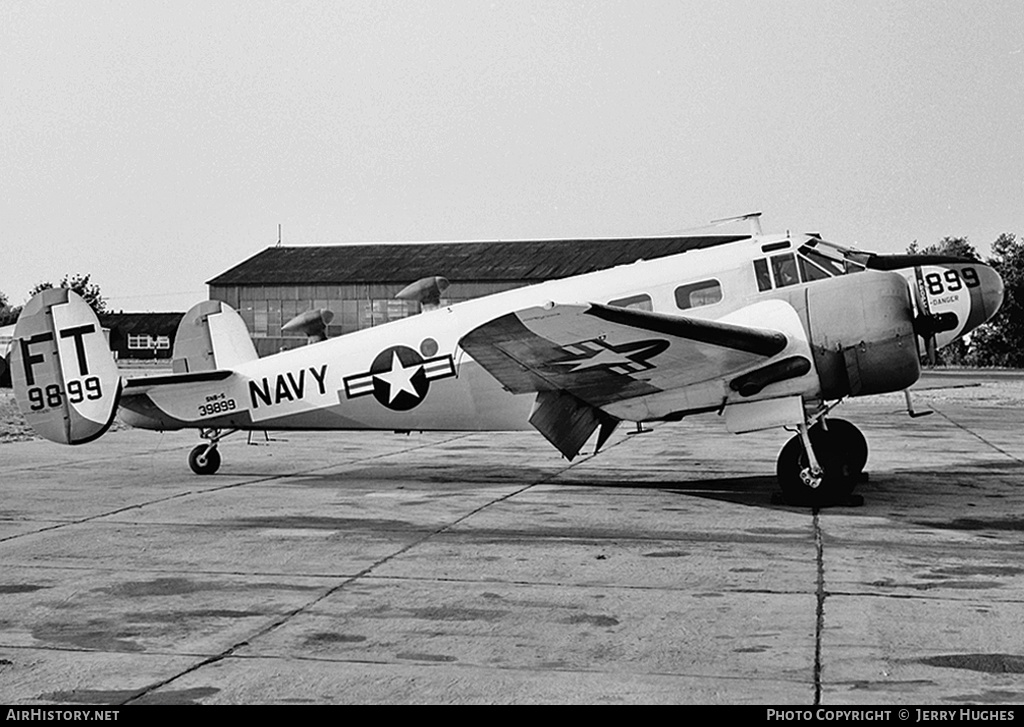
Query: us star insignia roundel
(627, 358)
(399, 378)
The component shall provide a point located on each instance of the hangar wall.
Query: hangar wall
(265, 308)
(358, 282)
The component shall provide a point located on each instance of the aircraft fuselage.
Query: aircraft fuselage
(855, 330)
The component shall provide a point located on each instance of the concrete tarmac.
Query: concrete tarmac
(482, 568)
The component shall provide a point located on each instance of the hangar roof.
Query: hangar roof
(492, 261)
(159, 323)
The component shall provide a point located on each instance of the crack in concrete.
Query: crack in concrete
(820, 594)
(974, 434)
(222, 488)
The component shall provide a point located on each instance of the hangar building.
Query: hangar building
(358, 282)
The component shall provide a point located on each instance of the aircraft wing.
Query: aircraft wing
(580, 359)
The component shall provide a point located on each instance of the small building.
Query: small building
(358, 282)
(141, 335)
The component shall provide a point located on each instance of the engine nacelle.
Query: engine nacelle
(861, 329)
(425, 291)
(312, 324)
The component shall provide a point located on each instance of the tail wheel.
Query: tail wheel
(204, 459)
(839, 471)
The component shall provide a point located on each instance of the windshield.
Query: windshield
(833, 259)
(814, 260)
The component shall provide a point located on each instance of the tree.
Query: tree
(81, 285)
(8, 315)
(953, 246)
(1000, 342)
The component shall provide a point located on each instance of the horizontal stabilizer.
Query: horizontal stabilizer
(144, 383)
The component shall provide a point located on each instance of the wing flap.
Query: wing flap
(567, 422)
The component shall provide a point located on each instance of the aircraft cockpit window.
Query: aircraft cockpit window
(833, 259)
(695, 295)
(637, 302)
(784, 269)
(828, 264)
(817, 260)
(810, 272)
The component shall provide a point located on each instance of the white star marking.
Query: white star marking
(399, 378)
(605, 357)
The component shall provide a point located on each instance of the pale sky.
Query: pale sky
(154, 145)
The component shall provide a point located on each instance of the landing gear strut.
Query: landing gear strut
(204, 459)
(822, 464)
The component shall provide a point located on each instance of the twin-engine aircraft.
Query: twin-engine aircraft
(768, 331)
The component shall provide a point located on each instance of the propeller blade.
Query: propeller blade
(924, 323)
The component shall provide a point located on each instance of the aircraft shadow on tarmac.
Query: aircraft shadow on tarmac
(739, 490)
(971, 485)
(979, 489)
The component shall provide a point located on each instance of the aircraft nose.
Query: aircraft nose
(992, 290)
(987, 292)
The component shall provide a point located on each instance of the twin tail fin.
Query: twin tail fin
(65, 379)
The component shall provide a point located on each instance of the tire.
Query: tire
(204, 459)
(851, 443)
(838, 478)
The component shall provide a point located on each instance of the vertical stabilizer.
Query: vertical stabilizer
(211, 336)
(65, 380)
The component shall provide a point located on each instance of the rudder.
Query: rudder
(65, 379)
(211, 336)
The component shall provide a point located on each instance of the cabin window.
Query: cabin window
(695, 295)
(764, 278)
(636, 302)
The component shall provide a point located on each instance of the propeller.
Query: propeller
(928, 324)
(922, 321)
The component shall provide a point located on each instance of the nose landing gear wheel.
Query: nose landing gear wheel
(841, 452)
(204, 459)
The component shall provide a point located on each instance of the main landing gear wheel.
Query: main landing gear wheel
(850, 442)
(841, 451)
(204, 459)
